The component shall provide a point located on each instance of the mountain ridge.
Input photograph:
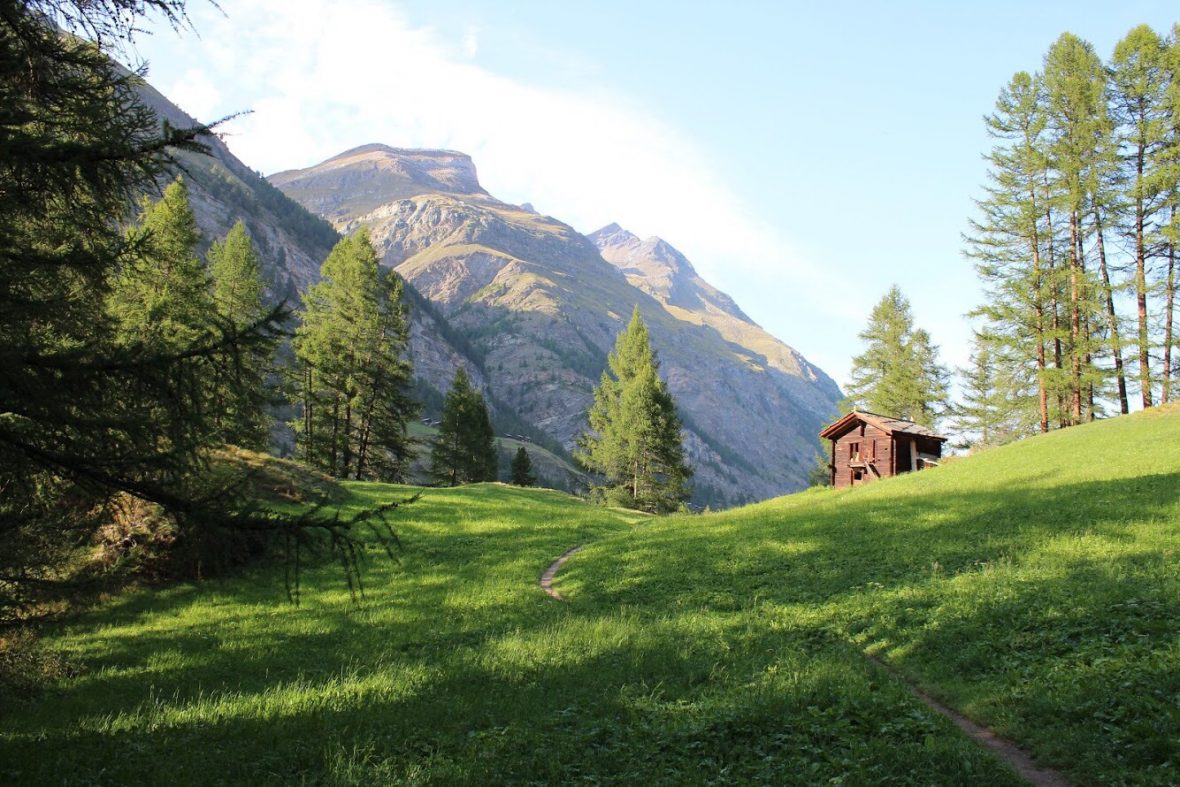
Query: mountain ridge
(542, 305)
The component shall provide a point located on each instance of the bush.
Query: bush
(26, 666)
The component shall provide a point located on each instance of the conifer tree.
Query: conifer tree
(237, 296)
(522, 468)
(1080, 128)
(464, 451)
(353, 380)
(163, 294)
(1013, 243)
(86, 408)
(1169, 229)
(1139, 78)
(898, 374)
(635, 440)
(999, 401)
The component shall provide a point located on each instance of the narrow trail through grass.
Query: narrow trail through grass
(546, 580)
(1015, 757)
(1034, 588)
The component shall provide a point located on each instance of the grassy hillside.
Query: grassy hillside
(552, 471)
(1034, 587)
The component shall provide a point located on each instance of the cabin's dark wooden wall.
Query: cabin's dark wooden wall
(876, 449)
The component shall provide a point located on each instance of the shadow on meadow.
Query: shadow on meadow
(606, 698)
(698, 649)
(458, 668)
(1046, 610)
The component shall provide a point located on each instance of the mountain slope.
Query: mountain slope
(656, 267)
(1032, 587)
(542, 308)
(292, 243)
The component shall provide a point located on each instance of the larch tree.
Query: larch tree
(1139, 79)
(1011, 241)
(464, 450)
(898, 374)
(998, 402)
(86, 409)
(352, 378)
(1079, 149)
(1169, 232)
(163, 295)
(238, 298)
(635, 440)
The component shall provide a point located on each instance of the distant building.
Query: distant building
(867, 446)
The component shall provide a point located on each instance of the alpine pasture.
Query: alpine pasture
(1031, 587)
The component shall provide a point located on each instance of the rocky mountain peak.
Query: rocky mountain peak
(358, 180)
(612, 235)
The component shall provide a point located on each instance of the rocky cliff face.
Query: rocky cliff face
(362, 179)
(540, 308)
(291, 241)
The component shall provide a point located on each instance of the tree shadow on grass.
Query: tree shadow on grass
(1047, 611)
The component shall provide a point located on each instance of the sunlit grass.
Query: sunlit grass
(1034, 587)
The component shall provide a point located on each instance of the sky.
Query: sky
(804, 156)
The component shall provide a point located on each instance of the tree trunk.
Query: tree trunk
(307, 416)
(1038, 296)
(335, 436)
(1169, 304)
(346, 447)
(1141, 282)
(1055, 306)
(1075, 321)
(1113, 323)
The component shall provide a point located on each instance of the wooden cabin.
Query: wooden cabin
(867, 446)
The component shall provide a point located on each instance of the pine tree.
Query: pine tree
(999, 402)
(87, 410)
(163, 295)
(635, 440)
(353, 381)
(464, 451)
(522, 468)
(237, 297)
(898, 374)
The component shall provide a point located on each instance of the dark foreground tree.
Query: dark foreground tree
(522, 468)
(634, 441)
(86, 411)
(898, 374)
(464, 451)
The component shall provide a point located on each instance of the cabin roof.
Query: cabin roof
(885, 423)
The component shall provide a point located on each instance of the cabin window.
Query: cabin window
(856, 475)
(853, 450)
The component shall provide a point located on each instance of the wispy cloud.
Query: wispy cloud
(323, 76)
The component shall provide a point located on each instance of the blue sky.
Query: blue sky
(805, 158)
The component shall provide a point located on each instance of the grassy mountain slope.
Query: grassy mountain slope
(458, 669)
(1035, 587)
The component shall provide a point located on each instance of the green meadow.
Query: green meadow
(1032, 587)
